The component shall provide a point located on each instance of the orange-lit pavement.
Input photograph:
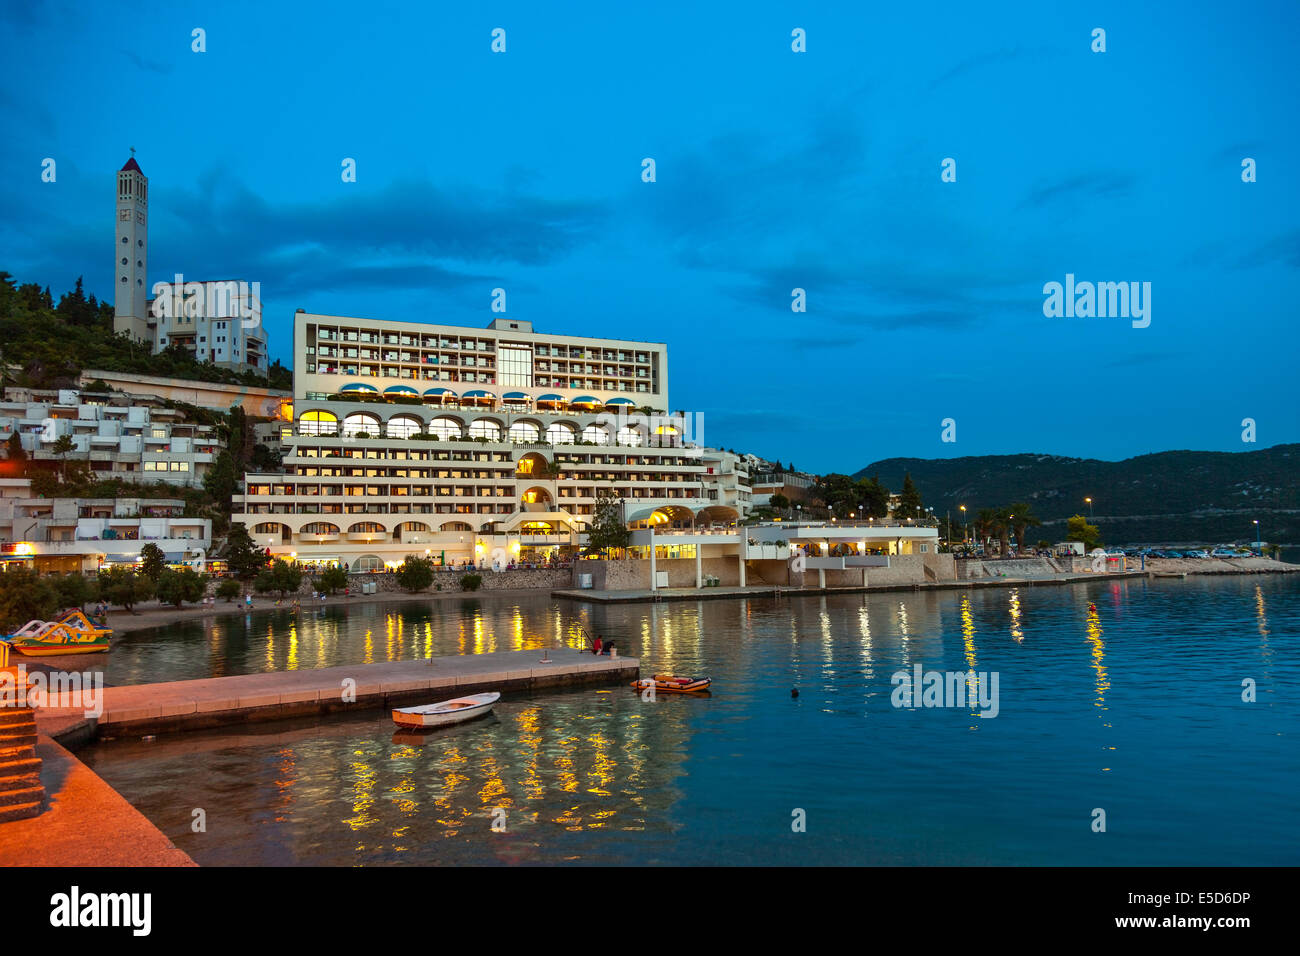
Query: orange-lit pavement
(86, 823)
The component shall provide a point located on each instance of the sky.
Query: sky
(775, 170)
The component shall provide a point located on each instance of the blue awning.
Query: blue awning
(359, 387)
(400, 390)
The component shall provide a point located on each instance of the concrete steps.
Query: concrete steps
(22, 794)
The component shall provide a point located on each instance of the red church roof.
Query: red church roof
(132, 164)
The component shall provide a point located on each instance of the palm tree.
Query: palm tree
(986, 525)
(1023, 521)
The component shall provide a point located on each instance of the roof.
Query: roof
(132, 164)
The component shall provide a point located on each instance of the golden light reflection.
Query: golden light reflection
(1261, 619)
(363, 797)
(968, 643)
(1098, 656)
(368, 648)
(1017, 632)
(293, 647)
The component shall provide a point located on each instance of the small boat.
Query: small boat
(674, 685)
(71, 634)
(447, 712)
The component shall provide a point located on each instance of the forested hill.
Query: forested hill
(45, 345)
(1193, 496)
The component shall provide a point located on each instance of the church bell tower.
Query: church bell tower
(129, 274)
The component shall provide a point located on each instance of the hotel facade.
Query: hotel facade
(477, 445)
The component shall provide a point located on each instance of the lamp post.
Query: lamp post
(965, 530)
(1089, 503)
(1259, 544)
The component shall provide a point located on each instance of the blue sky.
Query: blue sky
(775, 170)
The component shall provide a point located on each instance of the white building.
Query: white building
(217, 321)
(86, 534)
(117, 435)
(472, 444)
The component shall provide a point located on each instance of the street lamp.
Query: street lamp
(1259, 544)
(1089, 503)
(965, 530)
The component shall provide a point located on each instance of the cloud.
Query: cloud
(149, 65)
(1099, 184)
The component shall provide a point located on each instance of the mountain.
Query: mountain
(1168, 497)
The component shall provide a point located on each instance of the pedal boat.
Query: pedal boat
(71, 634)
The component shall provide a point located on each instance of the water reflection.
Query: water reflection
(600, 775)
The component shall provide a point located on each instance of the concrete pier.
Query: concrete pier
(225, 701)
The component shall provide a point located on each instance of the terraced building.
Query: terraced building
(474, 445)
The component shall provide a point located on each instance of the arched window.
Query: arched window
(359, 423)
(320, 527)
(627, 435)
(560, 433)
(403, 426)
(524, 432)
(318, 423)
(445, 428)
(485, 428)
(596, 433)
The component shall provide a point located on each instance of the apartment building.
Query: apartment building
(119, 436)
(472, 445)
(86, 534)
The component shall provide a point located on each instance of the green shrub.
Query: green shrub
(470, 582)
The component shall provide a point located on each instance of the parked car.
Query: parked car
(1196, 554)
(1223, 553)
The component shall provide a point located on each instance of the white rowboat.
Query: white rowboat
(447, 712)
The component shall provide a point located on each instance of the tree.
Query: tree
(25, 596)
(1078, 529)
(1002, 528)
(152, 562)
(122, 586)
(73, 589)
(780, 502)
(177, 587)
(244, 558)
(909, 500)
(63, 446)
(229, 588)
(280, 576)
(415, 574)
(1024, 520)
(607, 530)
(15, 447)
(334, 578)
(470, 582)
(875, 497)
(221, 481)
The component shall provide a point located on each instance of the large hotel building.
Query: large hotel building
(477, 444)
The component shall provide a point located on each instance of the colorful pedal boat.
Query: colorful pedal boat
(673, 685)
(71, 634)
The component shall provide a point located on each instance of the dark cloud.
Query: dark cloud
(1100, 184)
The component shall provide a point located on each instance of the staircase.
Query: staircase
(21, 792)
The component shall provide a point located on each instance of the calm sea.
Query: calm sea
(1121, 698)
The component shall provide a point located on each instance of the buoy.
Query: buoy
(794, 691)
